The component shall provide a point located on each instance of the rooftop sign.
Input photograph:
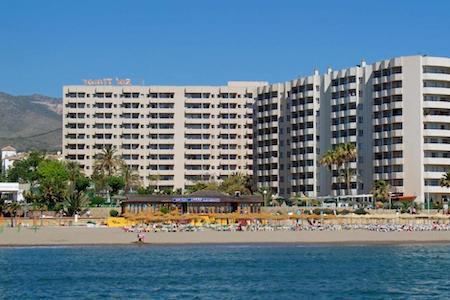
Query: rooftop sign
(107, 81)
(195, 200)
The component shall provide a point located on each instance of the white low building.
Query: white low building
(8, 152)
(15, 189)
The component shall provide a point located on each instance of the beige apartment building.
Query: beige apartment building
(172, 136)
(396, 112)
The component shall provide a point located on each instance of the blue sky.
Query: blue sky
(46, 44)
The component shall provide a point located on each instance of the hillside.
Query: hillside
(30, 122)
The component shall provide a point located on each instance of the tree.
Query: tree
(445, 180)
(107, 162)
(36, 205)
(381, 191)
(53, 181)
(99, 180)
(116, 183)
(341, 156)
(75, 202)
(154, 179)
(328, 160)
(130, 177)
(73, 170)
(346, 176)
(347, 153)
(25, 171)
(12, 208)
(76, 178)
(82, 183)
(237, 182)
(301, 200)
(200, 185)
(266, 193)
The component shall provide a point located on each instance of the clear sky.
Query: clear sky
(46, 44)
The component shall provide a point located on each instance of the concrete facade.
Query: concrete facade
(172, 136)
(396, 112)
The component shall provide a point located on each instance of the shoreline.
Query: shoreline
(91, 237)
(258, 244)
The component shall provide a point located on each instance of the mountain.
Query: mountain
(30, 122)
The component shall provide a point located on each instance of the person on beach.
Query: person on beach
(141, 237)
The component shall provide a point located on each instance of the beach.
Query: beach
(55, 236)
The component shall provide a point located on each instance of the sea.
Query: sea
(227, 272)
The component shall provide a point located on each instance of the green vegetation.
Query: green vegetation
(115, 183)
(381, 191)
(12, 209)
(237, 182)
(53, 179)
(164, 210)
(75, 202)
(360, 211)
(62, 186)
(113, 213)
(445, 180)
(266, 193)
(340, 158)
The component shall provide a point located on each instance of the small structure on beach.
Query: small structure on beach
(204, 201)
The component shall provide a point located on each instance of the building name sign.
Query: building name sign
(108, 81)
(195, 200)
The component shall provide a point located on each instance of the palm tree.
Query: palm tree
(236, 182)
(37, 205)
(380, 191)
(445, 180)
(346, 154)
(154, 179)
(75, 202)
(131, 179)
(107, 161)
(328, 160)
(12, 208)
(74, 170)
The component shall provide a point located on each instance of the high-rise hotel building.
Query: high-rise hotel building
(171, 136)
(396, 112)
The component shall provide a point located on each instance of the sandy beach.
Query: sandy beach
(115, 236)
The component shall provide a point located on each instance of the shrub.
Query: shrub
(344, 212)
(97, 201)
(436, 205)
(360, 211)
(113, 213)
(164, 210)
(397, 205)
(327, 211)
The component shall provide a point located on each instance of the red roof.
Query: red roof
(405, 198)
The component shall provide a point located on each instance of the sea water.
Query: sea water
(226, 272)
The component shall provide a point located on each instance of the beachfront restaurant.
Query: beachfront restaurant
(200, 202)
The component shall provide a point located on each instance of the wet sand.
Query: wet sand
(50, 236)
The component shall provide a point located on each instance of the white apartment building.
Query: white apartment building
(173, 136)
(397, 113)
